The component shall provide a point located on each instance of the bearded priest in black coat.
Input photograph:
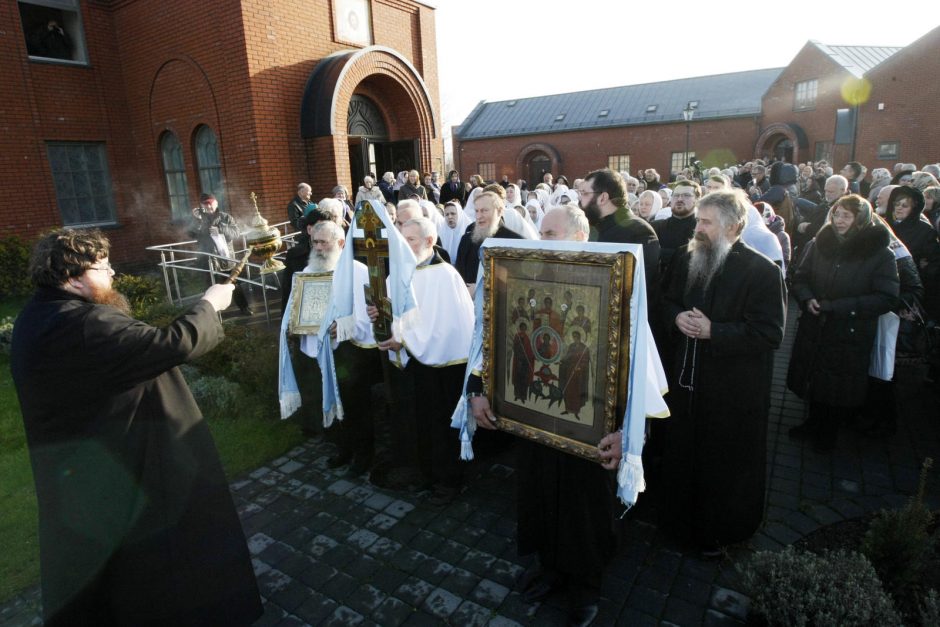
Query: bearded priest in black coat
(725, 308)
(136, 522)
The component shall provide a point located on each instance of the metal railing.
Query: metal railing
(185, 257)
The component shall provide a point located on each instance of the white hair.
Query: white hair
(575, 220)
(334, 230)
(333, 206)
(425, 226)
(303, 186)
(409, 204)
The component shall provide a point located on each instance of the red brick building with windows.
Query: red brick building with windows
(870, 104)
(134, 107)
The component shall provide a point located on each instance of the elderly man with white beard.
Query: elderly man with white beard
(357, 362)
(432, 356)
(725, 307)
(489, 223)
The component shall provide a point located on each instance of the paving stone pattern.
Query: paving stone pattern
(331, 549)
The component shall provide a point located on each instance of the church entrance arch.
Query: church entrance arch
(535, 160)
(783, 141)
(366, 111)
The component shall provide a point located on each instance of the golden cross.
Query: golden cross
(374, 248)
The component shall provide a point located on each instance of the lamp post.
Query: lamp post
(687, 114)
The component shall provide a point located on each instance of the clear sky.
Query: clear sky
(504, 49)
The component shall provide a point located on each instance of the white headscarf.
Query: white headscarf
(523, 227)
(402, 179)
(471, 207)
(433, 214)
(657, 204)
(518, 193)
(539, 212)
(450, 237)
(555, 200)
(759, 237)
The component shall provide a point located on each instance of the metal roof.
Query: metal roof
(857, 60)
(718, 96)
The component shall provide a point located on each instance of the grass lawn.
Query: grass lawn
(243, 443)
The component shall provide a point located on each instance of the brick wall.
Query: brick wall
(905, 84)
(238, 66)
(714, 141)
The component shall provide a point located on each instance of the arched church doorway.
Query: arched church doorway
(538, 164)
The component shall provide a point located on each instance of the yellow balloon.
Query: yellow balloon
(856, 91)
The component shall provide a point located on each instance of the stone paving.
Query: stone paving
(331, 549)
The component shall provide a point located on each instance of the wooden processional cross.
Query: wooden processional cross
(374, 248)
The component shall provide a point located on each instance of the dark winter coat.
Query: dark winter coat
(448, 193)
(916, 233)
(715, 441)
(136, 522)
(854, 281)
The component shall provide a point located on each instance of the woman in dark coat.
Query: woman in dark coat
(846, 280)
(904, 216)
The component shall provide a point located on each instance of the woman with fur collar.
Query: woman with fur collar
(847, 279)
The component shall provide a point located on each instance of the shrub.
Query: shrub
(6, 335)
(216, 396)
(143, 292)
(14, 267)
(800, 588)
(930, 609)
(899, 544)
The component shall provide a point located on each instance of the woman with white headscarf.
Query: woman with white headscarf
(450, 235)
(760, 238)
(648, 205)
(471, 207)
(534, 209)
(514, 196)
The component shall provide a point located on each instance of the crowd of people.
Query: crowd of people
(723, 252)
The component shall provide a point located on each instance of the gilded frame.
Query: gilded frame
(311, 296)
(532, 391)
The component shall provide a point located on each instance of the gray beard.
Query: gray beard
(705, 261)
(323, 262)
(478, 235)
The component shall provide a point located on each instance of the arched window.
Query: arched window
(175, 173)
(209, 164)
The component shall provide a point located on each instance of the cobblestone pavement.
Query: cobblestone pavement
(331, 549)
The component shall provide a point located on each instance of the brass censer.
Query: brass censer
(263, 240)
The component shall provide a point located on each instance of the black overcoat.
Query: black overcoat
(854, 281)
(136, 522)
(715, 445)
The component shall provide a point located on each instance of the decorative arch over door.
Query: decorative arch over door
(535, 160)
(772, 137)
(337, 122)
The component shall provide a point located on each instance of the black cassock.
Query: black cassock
(136, 522)
(715, 454)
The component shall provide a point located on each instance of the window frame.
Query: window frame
(683, 163)
(619, 162)
(204, 170)
(807, 100)
(60, 183)
(75, 27)
(886, 156)
(487, 167)
(175, 197)
(822, 151)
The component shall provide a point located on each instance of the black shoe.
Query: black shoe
(360, 466)
(805, 431)
(542, 584)
(340, 459)
(582, 616)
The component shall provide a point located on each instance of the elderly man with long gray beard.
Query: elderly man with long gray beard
(725, 308)
(357, 360)
(489, 223)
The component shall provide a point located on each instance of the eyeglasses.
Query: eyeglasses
(105, 268)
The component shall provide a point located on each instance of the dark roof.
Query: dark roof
(718, 96)
(857, 60)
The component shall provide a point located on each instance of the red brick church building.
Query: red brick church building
(120, 113)
(875, 105)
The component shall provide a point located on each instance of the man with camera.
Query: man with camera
(214, 232)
